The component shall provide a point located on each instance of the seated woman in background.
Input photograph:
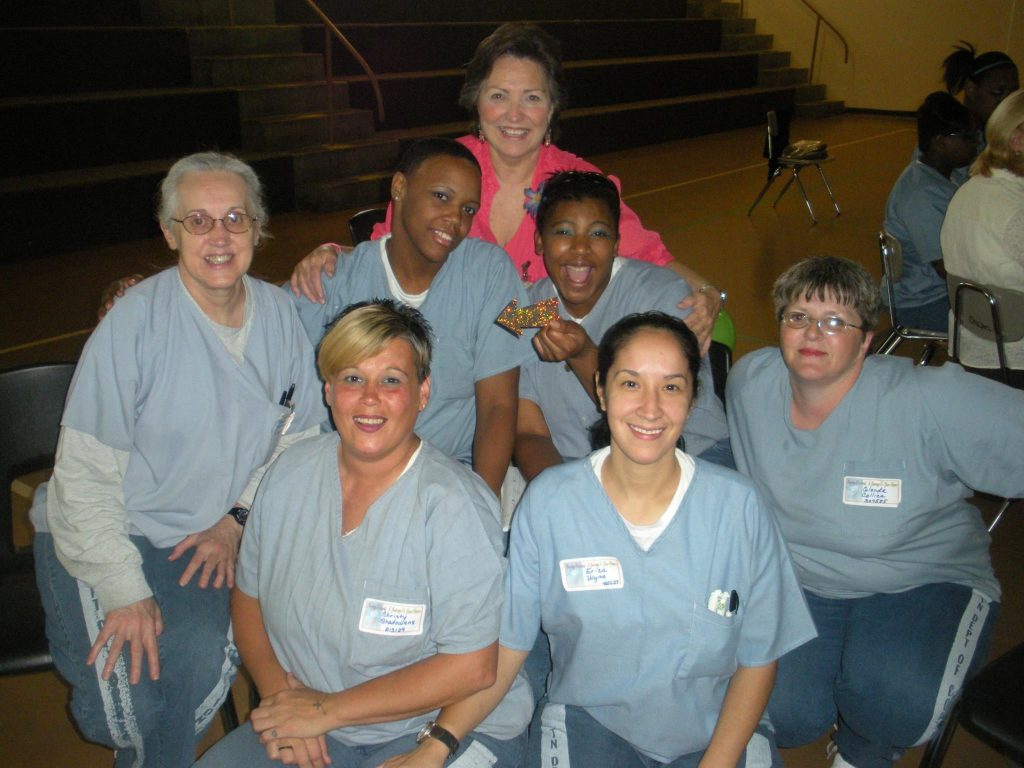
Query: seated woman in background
(984, 79)
(578, 237)
(369, 582)
(868, 462)
(917, 205)
(183, 392)
(515, 86)
(662, 581)
(983, 233)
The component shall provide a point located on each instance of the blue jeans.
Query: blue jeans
(154, 723)
(885, 668)
(570, 738)
(721, 454)
(242, 749)
(930, 317)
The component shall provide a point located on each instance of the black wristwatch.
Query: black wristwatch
(241, 515)
(434, 731)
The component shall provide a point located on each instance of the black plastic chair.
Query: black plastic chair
(991, 707)
(782, 158)
(31, 404)
(361, 225)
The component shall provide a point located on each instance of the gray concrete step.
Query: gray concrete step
(257, 69)
(305, 130)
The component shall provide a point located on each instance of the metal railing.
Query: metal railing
(331, 31)
(818, 21)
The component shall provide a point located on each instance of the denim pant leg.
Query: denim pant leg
(802, 705)
(242, 749)
(152, 723)
(930, 317)
(905, 659)
(476, 750)
(720, 453)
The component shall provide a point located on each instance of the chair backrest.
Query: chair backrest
(777, 136)
(361, 225)
(31, 404)
(989, 312)
(891, 252)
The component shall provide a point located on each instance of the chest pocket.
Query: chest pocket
(453, 369)
(391, 628)
(711, 650)
(872, 498)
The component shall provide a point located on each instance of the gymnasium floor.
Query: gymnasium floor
(695, 192)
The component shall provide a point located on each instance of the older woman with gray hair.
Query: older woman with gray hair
(868, 463)
(182, 395)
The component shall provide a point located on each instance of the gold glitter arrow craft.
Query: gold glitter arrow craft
(514, 318)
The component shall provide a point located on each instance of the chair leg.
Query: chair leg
(807, 200)
(889, 344)
(999, 515)
(926, 354)
(828, 188)
(771, 178)
(935, 752)
(228, 713)
(785, 187)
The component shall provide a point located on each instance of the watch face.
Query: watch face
(241, 514)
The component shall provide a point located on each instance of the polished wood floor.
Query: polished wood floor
(695, 192)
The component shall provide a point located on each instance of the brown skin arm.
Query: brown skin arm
(115, 291)
(534, 449)
(497, 400)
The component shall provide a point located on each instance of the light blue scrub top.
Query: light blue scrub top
(637, 286)
(644, 651)
(465, 298)
(421, 575)
(155, 380)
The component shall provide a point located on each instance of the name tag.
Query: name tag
(380, 617)
(872, 491)
(587, 573)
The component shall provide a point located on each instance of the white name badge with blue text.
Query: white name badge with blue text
(380, 617)
(872, 491)
(583, 574)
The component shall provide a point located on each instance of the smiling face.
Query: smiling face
(375, 403)
(214, 263)
(814, 357)
(433, 211)
(579, 242)
(647, 395)
(514, 108)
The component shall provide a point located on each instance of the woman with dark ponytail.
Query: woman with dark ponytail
(985, 80)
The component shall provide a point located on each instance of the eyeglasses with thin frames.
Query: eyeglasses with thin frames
(830, 325)
(235, 222)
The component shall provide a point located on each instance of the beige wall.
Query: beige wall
(896, 46)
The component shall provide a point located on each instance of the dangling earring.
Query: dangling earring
(480, 133)
(547, 137)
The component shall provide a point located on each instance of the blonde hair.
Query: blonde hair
(1007, 117)
(362, 330)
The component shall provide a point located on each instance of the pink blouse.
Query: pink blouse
(635, 242)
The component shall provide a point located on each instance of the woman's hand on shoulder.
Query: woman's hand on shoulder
(216, 551)
(305, 753)
(115, 291)
(139, 624)
(322, 260)
(701, 320)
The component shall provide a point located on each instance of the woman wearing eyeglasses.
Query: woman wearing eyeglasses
(868, 463)
(181, 397)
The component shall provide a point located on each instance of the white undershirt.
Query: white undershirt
(413, 300)
(646, 535)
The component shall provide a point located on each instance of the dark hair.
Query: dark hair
(363, 329)
(423, 149)
(962, 65)
(619, 335)
(578, 186)
(940, 115)
(522, 41)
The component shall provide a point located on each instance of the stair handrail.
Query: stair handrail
(330, 28)
(819, 20)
